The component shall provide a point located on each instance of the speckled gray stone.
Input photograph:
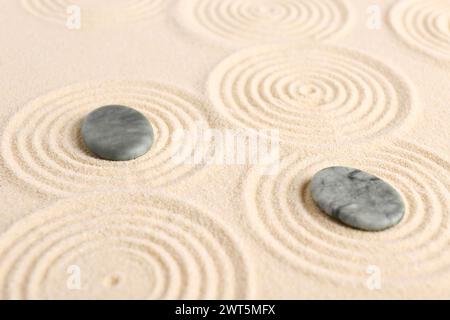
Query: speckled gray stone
(117, 133)
(356, 198)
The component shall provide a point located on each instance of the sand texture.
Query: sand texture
(343, 83)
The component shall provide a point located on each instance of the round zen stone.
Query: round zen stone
(117, 133)
(357, 199)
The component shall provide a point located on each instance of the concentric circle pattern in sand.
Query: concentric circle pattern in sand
(283, 217)
(314, 95)
(262, 21)
(121, 246)
(42, 143)
(424, 24)
(94, 13)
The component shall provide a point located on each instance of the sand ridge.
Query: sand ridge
(341, 92)
(42, 143)
(101, 14)
(166, 249)
(337, 95)
(255, 21)
(424, 25)
(284, 218)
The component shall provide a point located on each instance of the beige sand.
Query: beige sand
(342, 89)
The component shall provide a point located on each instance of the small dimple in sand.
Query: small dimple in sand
(119, 245)
(361, 84)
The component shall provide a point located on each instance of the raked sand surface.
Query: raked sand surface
(343, 81)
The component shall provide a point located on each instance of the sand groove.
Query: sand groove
(266, 20)
(284, 218)
(125, 246)
(425, 25)
(94, 13)
(329, 93)
(42, 143)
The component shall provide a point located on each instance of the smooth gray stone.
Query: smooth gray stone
(356, 198)
(117, 133)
